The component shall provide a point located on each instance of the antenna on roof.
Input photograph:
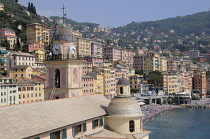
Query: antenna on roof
(64, 15)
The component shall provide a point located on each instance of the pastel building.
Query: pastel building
(87, 67)
(112, 82)
(138, 62)
(96, 61)
(33, 47)
(38, 33)
(170, 82)
(88, 85)
(9, 92)
(1, 7)
(9, 35)
(98, 82)
(136, 81)
(97, 48)
(30, 90)
(3, 63)
(127, 57)
(83, 47)
(21, 71)
(112, 53)
(19, 59)
(152, 62)
(199, 83)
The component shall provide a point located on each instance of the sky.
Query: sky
(115, 13)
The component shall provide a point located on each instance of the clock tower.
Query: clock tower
(63, 69)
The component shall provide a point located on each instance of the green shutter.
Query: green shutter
(64, 135)
(101, 121)
(37, 138)
(52, 135)
(84, 127)
(93, 124)
(75, 130)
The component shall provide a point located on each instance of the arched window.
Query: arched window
(131, 126)
(57, 78)
(121, 90)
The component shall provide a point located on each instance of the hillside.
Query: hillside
(184, 33)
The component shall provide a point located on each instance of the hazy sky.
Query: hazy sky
(115, 13)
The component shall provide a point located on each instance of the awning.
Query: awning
(141, 103)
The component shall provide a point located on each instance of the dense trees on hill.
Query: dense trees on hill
(32, 8)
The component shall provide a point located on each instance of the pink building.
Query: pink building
(88, 85)
(96, 61)
(138, 62)
(7, 32)
(112, 53)
(127, 57)
(34, 47)
(87, 67)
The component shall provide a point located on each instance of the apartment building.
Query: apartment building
(127, 57)
(88, 85)
(87, 67)
(83, 47)
(97, 48)
(20, 71)
(112, 53)
(199, 83)
(98, 82)
(30, 90)
(112, 82)
(9, 35)
(170, 82)
(136, 81)
(37, 33)
(138, 62)
(9, 92)
(96, 61)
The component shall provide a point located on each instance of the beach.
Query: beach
(152, 110)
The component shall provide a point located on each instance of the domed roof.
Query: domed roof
(124, 107)
(122, 81)
(64, 34)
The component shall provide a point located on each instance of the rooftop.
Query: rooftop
(27, 120)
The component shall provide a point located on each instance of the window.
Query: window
(94, 124)
(64, 135)
(131, 126)
(121, 90)
(57, 78)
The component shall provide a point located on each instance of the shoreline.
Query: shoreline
(152, 111)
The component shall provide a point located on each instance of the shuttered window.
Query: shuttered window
(64, 135)
(84, 127)
(52, 135)
(101, 121)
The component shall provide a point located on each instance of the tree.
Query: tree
(155, 77)
(17, 45)
(134, 90)
(16, 1)
(140, 72)
(6, 44)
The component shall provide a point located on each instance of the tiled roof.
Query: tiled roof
(19, 67)
(26, 120)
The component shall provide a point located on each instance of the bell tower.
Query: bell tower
(64, 70)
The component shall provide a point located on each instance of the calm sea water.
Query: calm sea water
(181, 124)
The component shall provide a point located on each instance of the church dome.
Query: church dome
(122, 81)
(64, 34)
(122, 106)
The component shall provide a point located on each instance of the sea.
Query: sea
(182, 123)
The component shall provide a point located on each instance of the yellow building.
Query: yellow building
(83, 47)
(39, 55)
(37, 33)
(105, 72)
(98, 82)
(76, 33)
(170, 82)
(164, 64)
(152, 62)
(30, 90)
(20, 71)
